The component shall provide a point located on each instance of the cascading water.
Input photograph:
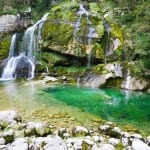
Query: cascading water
(91, 31)
(82, 11)
(26, 57)
(107, 48)
(9, 68)
(90, 36)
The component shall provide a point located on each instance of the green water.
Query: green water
(121, 106)
(112, 104)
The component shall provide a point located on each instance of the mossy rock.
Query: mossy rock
(135, 68)
(4, 47)
(98, 51)
(117, 32)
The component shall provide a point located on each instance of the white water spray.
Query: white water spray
(31, 39)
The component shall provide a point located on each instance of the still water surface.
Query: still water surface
(120, 106)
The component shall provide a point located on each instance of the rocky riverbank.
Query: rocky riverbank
(16, 134)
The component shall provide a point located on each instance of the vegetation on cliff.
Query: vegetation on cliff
(128, 23)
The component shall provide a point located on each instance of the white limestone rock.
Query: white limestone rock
(107, 147)
(137, 136)
(125, 134)
(97, 138)
(104, 127)
(61, 131)
(75, 142)
(48, 143)
(116, 132)
(2, 141)
(8, 116)
(148, 140)
(133, 83)
(37, 128)
(87, 144)
(125, 141)
(8, 135)
(79, 130)
(139, 145)
(48, 79)
(19, 144)
(113, 141)
(8, 23)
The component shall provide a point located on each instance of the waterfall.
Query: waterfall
(91, 30)
(12, 46)
(82, 11)
(26, 58)
(107, 48)
(9, 69)
(90, 36)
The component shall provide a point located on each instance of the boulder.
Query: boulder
(87, 144)
(115, 68)
(48, 143)
(8, 23)
(125, 142)
(97, 138)
(114, 141)
(61, 131)
(7, 117)
(48, 79)
(105, 128)
(8, 135)
(134, 83)
(137, 136)
(75, 143)
(107, 147)
(19, 144)
(116, 132)
(79, 131)
(139, 145)
(37, 129)
(2, 141)
(148, 140)
(95, 81)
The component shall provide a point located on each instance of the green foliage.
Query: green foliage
(141, 44)
(12, 6)
(127, 18)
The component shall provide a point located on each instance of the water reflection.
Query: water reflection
(110, 103)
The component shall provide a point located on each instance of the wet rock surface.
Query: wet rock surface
(40, 135)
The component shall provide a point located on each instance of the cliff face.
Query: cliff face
(83, 29)
(107, 31)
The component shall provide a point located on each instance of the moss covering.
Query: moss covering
(4, 47)
(58, 31)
